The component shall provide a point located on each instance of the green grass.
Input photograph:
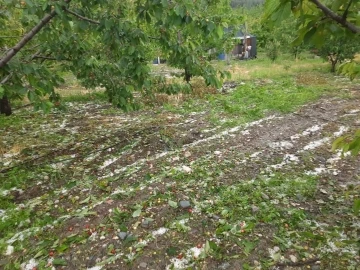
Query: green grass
(79, 97)
(13, 121)
(252, 101)
(270, 87)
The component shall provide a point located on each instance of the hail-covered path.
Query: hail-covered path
(159, 190)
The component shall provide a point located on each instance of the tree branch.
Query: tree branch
(10, 36)
(82, 17)
(332, 15)
(49, 58)
(29, 36)
(346, 10)
(6, 79)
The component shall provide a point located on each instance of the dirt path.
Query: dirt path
(267, 195)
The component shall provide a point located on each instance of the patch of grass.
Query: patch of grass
(13, 121)
(87, 97)
(264, 68)
(257, 99)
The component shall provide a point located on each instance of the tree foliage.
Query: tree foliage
(107, 44)
(272, 50)
(246, 3)
(318, 18)
(284, 33)
(323, 23)
(338, 48)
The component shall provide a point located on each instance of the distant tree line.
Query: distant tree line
(246, 3)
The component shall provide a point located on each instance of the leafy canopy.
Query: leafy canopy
(107, 44)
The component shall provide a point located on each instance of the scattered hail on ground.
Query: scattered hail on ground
(91, 188)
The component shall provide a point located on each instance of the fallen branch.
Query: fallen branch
(301, 263)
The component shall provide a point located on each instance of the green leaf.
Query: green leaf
(29, 3)
(213, 245)
(309, 34)
(219, 31)
(85, 201)
(172, 251)
(147, 17)
(356, 206)
(45, 5)
(2, 91)
(207, 247)
(337, 143)
(136, 213)
(173, 204)
(62, 248)
(354, 146)
(109, 24)
(71, 184)
(58, 8)
(39, 254)
(130, 238)
(59, 261)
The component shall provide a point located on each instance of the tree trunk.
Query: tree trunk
(187, 75)
(5, 107)
(333, 65)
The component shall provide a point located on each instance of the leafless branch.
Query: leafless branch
(332, 15)
(346, 10)
(6, 79)
(49, 58)
(82, 17)
(10, 36)
(34, 55)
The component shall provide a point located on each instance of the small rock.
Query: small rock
(215, 217)
(315, 267)
(184, 204)
(276, 249)
(143, 265)
(224, 266)
(145, 224)
(256, 263)
(293, 258)
(323, 191)
(46, 177)
(123, 235)
(187, 154)
(186, 169)
(9, 250)
(264, 196)
(254, 209)
(102, 237)
(217, 153)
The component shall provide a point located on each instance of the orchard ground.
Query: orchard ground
(239, 179)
